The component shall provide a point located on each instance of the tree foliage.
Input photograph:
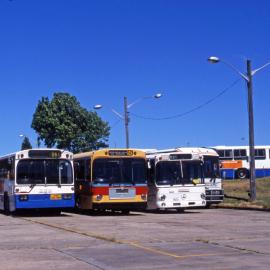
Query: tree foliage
(26, 144)
(63, 123)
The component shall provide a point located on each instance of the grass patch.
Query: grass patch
(237, 194)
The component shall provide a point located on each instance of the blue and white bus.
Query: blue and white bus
(234, 161)
(37, 179)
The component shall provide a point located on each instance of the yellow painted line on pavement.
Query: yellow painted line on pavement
(158, 251)
(132, 244)
(96, 236)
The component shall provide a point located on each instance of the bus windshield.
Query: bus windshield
(211, 167)
(120, 170)
(40, 172)
(191, 170)
(177, 172)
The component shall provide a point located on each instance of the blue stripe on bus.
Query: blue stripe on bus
(262, 172)
(43, 201)
(227, 173)
(230, 173)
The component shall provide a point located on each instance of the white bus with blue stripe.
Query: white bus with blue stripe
(234, 161)
(37, 179)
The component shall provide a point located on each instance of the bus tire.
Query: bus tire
(125, 212)
(241, 173)
(6, 205)
(55, 212)
(77, 202)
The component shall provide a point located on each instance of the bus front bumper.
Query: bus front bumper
(132, 206)
(214, 195)
(31, 201)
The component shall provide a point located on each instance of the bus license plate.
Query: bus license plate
(119, 190)
(56, 196)
(122, 193)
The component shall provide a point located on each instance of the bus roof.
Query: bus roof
(225, 147)
(112, 152)
(25, 152)
(186, 150)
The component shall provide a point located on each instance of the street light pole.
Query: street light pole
(248, 78)
(252, 177)
(126, 119)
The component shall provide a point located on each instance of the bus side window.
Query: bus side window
(260, 154)
(7, 168)
(87, 169)
(80, 170)
(228, 154)
(151, 171)
(240, 154)
(11, 166)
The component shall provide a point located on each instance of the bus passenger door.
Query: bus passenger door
(9, 189)
(12, 202)
(152, 190)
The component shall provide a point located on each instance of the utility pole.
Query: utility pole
(126, 119)
(248, 79)
(252, 177)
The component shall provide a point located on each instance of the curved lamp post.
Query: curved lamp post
(248, 78)
(126, 117)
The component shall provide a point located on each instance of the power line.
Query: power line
(115, 123)
(193, 109)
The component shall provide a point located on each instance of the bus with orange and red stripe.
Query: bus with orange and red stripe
(111, 179)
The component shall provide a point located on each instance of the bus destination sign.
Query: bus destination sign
(121, 153)
(44, 153)
(180, 156)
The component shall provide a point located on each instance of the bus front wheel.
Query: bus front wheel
(241, 173)
(125, 212)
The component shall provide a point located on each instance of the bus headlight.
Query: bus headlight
(203, 196)
(99, 197)
(144, 197)
(23, 198)
(162, 198)
(67, 196)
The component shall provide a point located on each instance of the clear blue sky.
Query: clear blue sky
(101, 51)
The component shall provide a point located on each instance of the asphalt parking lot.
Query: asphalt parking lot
(196, 239)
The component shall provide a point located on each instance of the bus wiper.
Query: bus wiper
(32, 186)
(213, 180)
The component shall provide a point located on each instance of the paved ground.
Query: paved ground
(197, 239)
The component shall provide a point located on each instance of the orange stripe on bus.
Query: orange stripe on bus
(232, 164)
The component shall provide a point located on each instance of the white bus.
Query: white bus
(211, 176)
(37, 178)
(235, 161)
(175, 180)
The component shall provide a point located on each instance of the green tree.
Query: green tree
(63, 123)
(26, 144)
